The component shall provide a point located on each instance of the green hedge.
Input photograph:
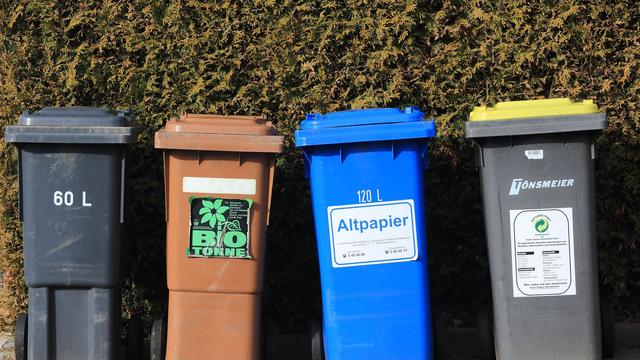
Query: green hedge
(287, 58)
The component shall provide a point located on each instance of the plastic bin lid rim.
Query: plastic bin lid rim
(536, 125)
(202, 141)
(361, 117)
(367, 133)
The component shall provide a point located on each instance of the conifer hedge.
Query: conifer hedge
(286, 58)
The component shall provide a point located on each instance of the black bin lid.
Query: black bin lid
(75, 116)
(77, 124)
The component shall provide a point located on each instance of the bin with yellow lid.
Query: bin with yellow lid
(536, 161)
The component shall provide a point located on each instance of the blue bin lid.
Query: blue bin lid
(382, 124)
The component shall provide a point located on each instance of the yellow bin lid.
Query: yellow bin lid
(526, 109)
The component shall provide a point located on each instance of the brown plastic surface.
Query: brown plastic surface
(214, 302)
(215, 274)
(219, 133)
(232, 331)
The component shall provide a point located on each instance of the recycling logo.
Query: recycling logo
(541, 224)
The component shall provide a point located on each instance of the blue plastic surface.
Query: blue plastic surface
(364, 125)
(371, 310)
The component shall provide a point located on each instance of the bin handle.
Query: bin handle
(123, 169)
(272, 170)
(307, 161)
(166, 193)
(425, 157)
(478, 153)
(20, 185)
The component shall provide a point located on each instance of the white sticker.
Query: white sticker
(202, 185)
(542, 252)
(534, 154)
(373, 233)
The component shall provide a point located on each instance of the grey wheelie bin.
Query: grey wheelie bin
(536, 161)
(71, 173)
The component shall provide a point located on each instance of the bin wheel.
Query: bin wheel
(135, 339)
(608, 338)
(486, 345)
(158, 340)
(20, 340)
(317, 343)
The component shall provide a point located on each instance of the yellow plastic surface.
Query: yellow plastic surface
(509, 110)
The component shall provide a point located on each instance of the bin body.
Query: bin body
(214, 298)
(537, 178)
(367, 167)
(72, 164)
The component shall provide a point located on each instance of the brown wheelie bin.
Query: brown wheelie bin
(218, 180)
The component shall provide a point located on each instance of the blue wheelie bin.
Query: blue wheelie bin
(366, 172)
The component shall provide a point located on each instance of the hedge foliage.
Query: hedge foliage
(285, 58)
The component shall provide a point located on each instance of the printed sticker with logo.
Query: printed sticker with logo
(542, 252)
(373, 233)
(219, 228)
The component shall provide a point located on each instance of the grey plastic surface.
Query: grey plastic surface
(538, 125)
(72, 195)
(81, 125)
(74, 323)
(69, 135)
(75, 116)
(544, 327)
(76, 244)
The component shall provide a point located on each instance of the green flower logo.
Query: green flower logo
(213, 212)
(541, 225)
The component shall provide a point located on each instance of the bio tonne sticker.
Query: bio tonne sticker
(219, 228)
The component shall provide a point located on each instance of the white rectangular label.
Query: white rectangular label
(534, 154)
(372, 233)
(204, 185)
(542, 252)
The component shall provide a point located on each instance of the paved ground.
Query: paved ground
(6, 347)
(633, 354)
(462, 343)
(6, 350)
(628, 355)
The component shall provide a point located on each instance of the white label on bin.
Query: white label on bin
(542, 252)
(534, 154)
(203, 185)
(373, 233)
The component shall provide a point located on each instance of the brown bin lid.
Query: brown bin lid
(219, 133)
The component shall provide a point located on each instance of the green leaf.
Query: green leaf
(220, 217)
(204, 210)
(206, 217)
(222, 209)
(212, 222)
(207, 203)
(217, 203)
